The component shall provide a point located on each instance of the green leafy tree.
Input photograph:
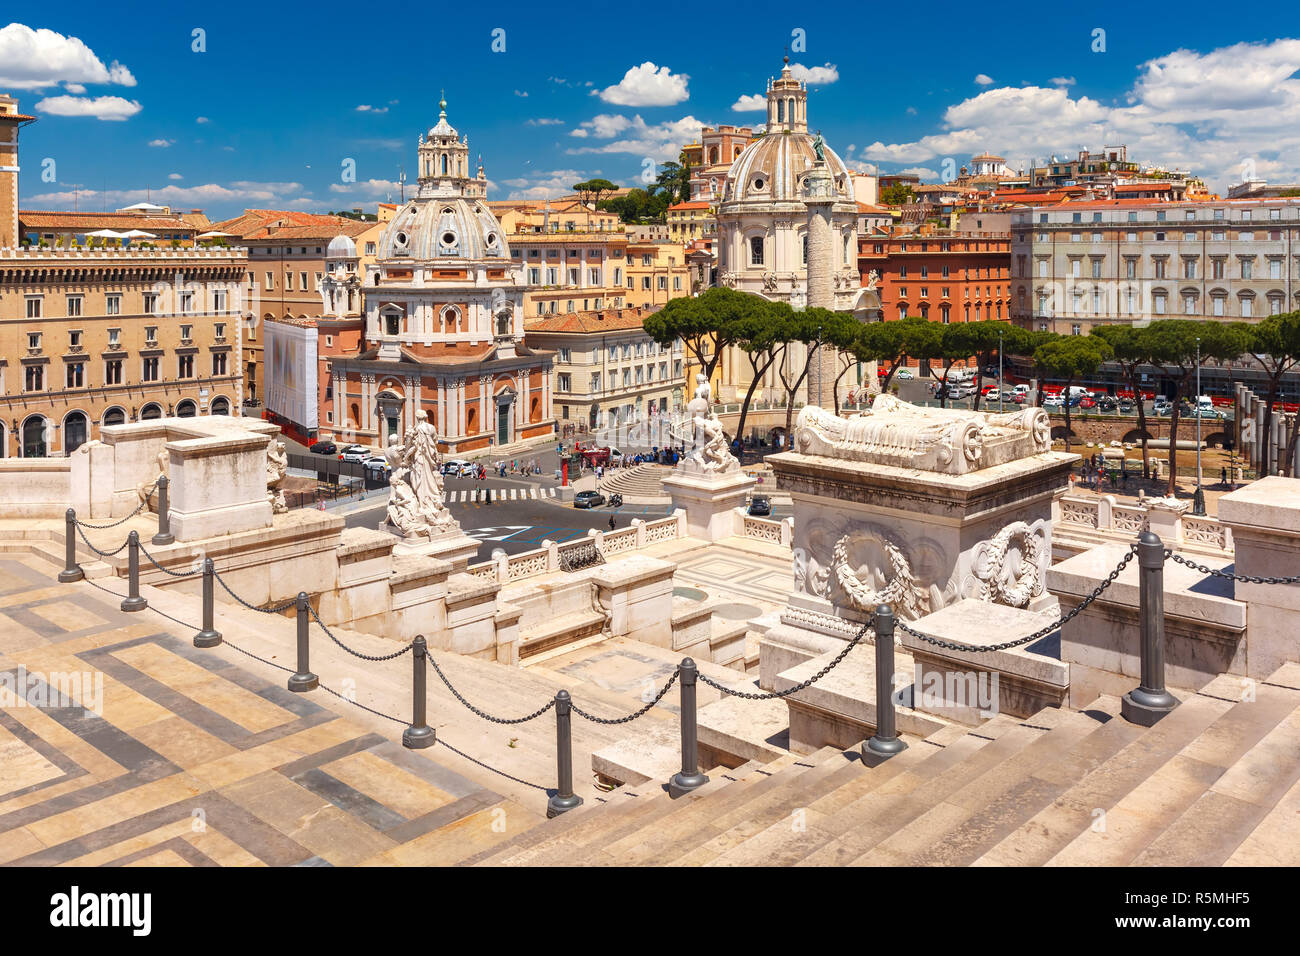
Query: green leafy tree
(815, 329)
(1072, 358)
(1275, 345)
(592, 191)
(674, 182)
(1131, 351)
(762, 331)
(1173, 344)
(899, 194)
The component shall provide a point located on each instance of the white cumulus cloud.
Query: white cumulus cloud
(367, 108)
(750, 103)
(161, 143)
(112, 108)
(647, 85)
(983, 79)
(814, 75)
(35, 59)
(660, 141)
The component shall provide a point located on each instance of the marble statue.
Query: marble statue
(416, 506)
(145, 489)
(943, 440)
(709, 450)
(873, 280)
(277, 467)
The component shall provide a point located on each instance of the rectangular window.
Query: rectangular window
(1189, 268)
(1096, 268)
(187, 302)
(114, 336)
(113, 372)
(218, 363)
(219, 331)
(1160, 303)
(562, 382)
(150, 369)
(755, 250)
(151, 334)
(1218, 304)
(34, 379)
(74, 305)
(34, 307)
(151, 303)
(33, 340)
(1247, 269)
(302, 281)
(76, 373)
(112, 304)
(1160, 265)
(288, 281)
(270, 280)
(74, 338)
(1275, 268)
(1247, 307)
(187, 332)
(219, 300)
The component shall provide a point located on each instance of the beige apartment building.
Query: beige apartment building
(92, 337)
(570, 272)
(656, 272)
(608, 372)
(286, 261)
(1078, 265)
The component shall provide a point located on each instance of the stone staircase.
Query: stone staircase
(644, 481)
(1216, 782)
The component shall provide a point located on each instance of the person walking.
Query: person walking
(613, 522)
(1223, 477)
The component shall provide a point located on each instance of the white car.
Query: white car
(458, 468)
(377, 463)
(904, 373)
(354, 453)
(1053, 401)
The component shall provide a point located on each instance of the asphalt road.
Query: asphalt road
(522, 524)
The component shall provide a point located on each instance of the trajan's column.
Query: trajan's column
(820, 197)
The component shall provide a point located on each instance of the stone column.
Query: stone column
(820, 198)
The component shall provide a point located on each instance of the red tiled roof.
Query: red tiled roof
(688, 205)
(604, 320)
(290, 224)
(41, 219)
(868, 208)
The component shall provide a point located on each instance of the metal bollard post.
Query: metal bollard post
(304, 680)
(209, 636)
(419, 735)
(690, 777)
(885, 742)
(1149, 701)
(133, 601)
(71, 570)
(564, 799)
(164, 535)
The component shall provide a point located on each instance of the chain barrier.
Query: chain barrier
(276, 609)
(474, 710)
(628, 718)
(103, 554)
(138, 508)
(1218, 573)
(364, 657)
(1042, 631)
(804, 685)
(174, 574)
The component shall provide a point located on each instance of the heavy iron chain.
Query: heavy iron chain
(1247, 578)
(138, 508)
(628, 718)
(364, 657)
(474, 710)
(103, 554)
(275, 609)
(175, 574)
(777, 694)
(1042, 631)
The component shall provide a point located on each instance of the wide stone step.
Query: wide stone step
(559, 631)
(1140, 753)
(959, 828)
(855, 828)
(1162, 795)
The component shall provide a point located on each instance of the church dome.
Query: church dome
(341, 247)
(443, 227)
(773, 167)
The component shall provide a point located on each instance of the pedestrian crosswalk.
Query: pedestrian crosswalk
(467, 495)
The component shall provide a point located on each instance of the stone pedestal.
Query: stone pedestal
(708, 499)
(455, 547)
(1265, 520)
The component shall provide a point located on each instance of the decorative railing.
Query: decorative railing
(1106, 517)
(578, 553)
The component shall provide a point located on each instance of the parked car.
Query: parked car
(1126, 406)
(377, 464)
(1054, 401)
(1162, 406)
(760, 506)
(458, 468)
(354, 453)
(905, 374)
(588, 499)
(324, 448)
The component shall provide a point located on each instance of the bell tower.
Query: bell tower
(787, 103)
(444, 160)
(10, 122)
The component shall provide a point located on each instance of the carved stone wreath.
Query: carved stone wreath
(1019, 593)
(900, 593)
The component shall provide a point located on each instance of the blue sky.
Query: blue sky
(268, 113)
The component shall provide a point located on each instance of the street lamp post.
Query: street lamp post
(999, 371)
(1198, 500)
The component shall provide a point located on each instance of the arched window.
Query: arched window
(186, 409)
(713, 155)
(780, 111)
(34, 430)
(74, 432)
(114, 416)
(151, 411)
(450, 317)
(220, 406)
(444, 164)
